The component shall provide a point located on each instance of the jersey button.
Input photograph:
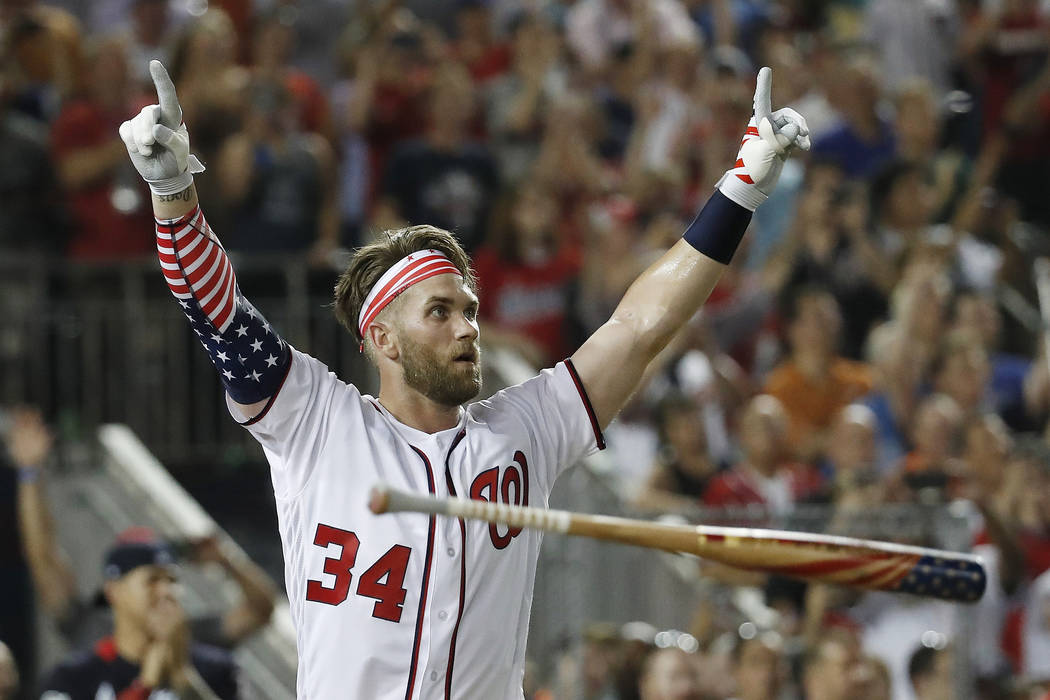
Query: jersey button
(442, 615)
(433, 675)
(451, 552)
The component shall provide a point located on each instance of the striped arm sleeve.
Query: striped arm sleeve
(252, 359)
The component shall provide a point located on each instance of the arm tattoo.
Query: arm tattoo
(184, 196)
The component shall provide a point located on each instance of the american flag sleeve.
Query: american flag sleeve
(251, 358)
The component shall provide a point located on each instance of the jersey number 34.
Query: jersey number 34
(384, 580)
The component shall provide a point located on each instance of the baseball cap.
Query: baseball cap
(134, 547)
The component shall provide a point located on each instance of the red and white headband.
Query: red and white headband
(409, 270)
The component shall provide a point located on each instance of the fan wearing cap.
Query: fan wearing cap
(409, 605)
(149, 652)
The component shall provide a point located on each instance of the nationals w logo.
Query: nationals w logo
(509, 485)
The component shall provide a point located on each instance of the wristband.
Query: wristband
(746, 195)
(28, 475)
(174, 185)
(718, 228)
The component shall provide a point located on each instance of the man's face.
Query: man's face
(437, 334)
(137, 592)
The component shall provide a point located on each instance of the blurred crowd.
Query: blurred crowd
(877, 341)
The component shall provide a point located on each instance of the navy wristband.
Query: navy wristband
(718, 228)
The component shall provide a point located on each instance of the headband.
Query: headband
(413, 268)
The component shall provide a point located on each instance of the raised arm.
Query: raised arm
(252, 360)
(29, 446)
(612, 361)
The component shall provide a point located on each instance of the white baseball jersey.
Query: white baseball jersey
(411, 606)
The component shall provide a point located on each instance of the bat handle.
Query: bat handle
(384, 499)
(387, 500)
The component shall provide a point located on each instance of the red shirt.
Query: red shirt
(100, 230)
(740, 486)
(529, 299)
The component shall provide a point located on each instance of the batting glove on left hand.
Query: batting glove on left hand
(158, 142)
(769, 139)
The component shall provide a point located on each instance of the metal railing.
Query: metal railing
(105, 343)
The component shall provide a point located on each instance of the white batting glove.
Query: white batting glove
(770, 137)
(158, 142)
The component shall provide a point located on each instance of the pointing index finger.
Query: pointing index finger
(763, 88)
(170, 111)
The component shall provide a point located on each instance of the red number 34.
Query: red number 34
(389, 594)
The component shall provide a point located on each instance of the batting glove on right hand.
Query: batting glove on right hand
(158, 142)
(769, 139)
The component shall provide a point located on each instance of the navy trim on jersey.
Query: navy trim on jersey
(462, 568)
(426, 579)
(598, 437)
(280, 385)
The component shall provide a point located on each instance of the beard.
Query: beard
(443, 381)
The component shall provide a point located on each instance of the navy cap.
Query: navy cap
(135, 547)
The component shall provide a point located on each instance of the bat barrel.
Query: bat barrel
(830, 559)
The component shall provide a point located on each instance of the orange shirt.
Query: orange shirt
(811, 406)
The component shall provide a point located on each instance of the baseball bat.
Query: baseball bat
(846, 561)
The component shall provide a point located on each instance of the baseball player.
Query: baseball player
(416, 606)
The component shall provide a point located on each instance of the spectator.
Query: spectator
(851, 449)
(894, 394)
(393, 73)
(758, 667)
(30, 197)
(829, 246)
(669, 674)
(931, 672)
(517, 102)
(31, 564)
(863, 141)
(763, 476)
(108, 203)
(918, 121)
(961, 371)
(444, 178)
(150, 648)
(9, 681)
(814, 383)
(475, 46)
(273, 41)
(913, 39)
(529, 276)
(82, 622)
(278, 181)
(43, 57)
(978, 316)
(936, 436)
(595, 28)
(568, 161)
(986, 453)
(684, 469)
(148, 36)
